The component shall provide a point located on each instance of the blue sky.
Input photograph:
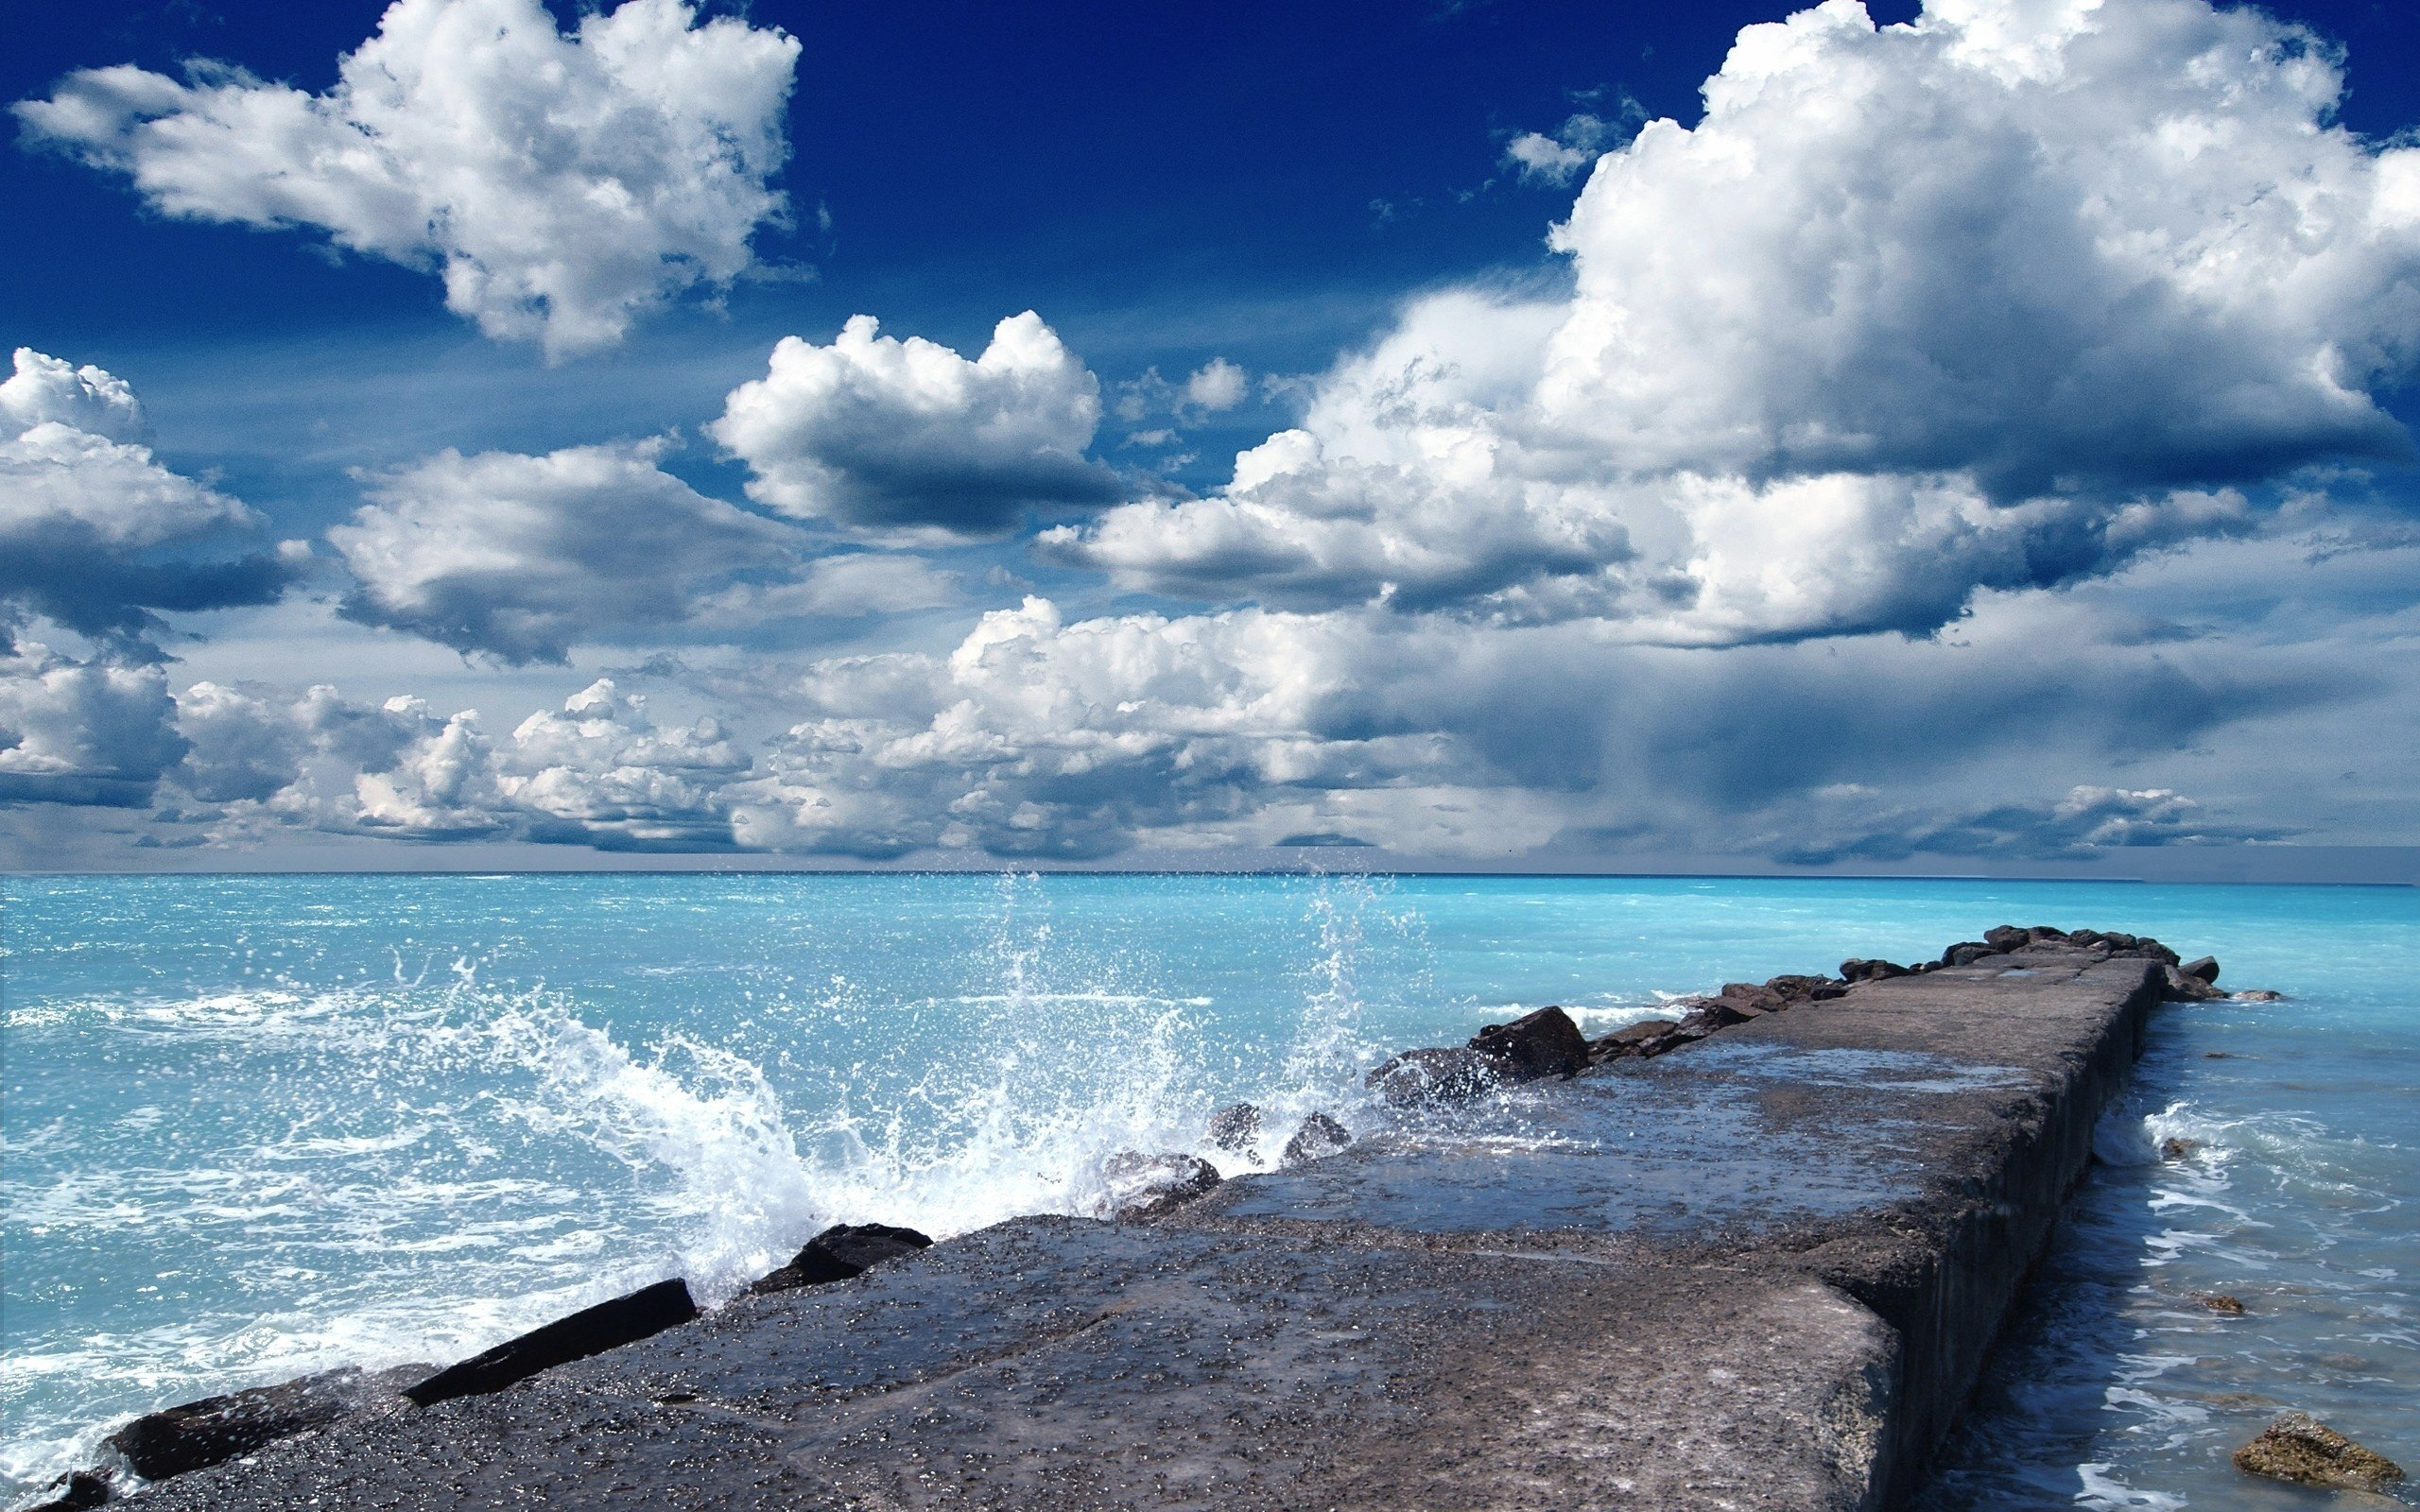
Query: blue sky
(1917, 462)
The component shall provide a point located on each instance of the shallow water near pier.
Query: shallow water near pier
(262, 1126)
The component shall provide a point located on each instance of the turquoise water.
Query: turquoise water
(261, 1125)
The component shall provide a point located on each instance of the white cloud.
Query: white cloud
(1557, 157)
(563, 184)
(90, 732)
(86, 509)
(1990, 301)
(907, 439)
(523, 557)
(1216, 387)
(600, 772)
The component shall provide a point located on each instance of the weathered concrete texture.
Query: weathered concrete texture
(1757, 1273)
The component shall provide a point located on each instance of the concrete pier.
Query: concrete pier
(1758, 1273)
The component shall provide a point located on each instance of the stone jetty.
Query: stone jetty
(1751, 1258)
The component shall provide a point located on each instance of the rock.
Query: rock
(1709, 1014)
(2216, 1055)
(1861, 970)
(2258, 994)
(1805, 989)
(2039, 933)
(216, 1429)
(1434, 1076)
(2177, 1149)
(2006, 937)
(648, 1311)
(1545, 1043)
(1628, 1040)
(2295, 1448)
(75, 1491)
(1146, 1186)
(2205, 966)
(1234, 1128)
(2221, 1304)
(2183, 989)
(1966, 953)
(839, 1252)
(1318, 1136)
(2148, 946)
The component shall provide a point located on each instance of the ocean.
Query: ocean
(261, 1125)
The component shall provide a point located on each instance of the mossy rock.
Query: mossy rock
(2296, 1447)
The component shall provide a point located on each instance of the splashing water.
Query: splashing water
(256, 1127)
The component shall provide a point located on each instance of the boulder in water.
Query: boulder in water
(1234, 1128)
(2180, 988)
(839, 1252)
(1146, 1186)
(2205, 966)
(627, 1319)
(1434, 1076)
(199, 1435)
(1545, 1043)
(2258, 994)
(2299, 1448)
(1318, 1136)
(2220, 1303)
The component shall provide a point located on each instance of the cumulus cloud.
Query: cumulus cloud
(522, 557)
(909, 440)
(563, 185)
(1999, 299)
(86, 732)
(1217, 386)
(96, 535)
(601, 771)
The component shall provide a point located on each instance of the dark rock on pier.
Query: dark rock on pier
(1630, 1040)
(842, 1251)
(647, 1311)
(1234, 1128)
(2295, 1448)
(1758, 1273)
(1545, 1043)
(204, 1432)
(1318, 1136)
(76, 1492)
(1419, 1076)
(1146, 1186)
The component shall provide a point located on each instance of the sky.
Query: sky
(1971, 436)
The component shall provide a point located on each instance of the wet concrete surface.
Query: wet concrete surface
(1760, 1272)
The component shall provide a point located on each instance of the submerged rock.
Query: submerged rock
(839, 1252)
(1433, 1076)
(2257, 995)
(625, 1319)
(1146, 1186)
(1234, 1128)
(2220, 1303)
(2299, 1448)
(2177, 1149)
(199, 1435)
(1545, 1043)
(1318, 1136)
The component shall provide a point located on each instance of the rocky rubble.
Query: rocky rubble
(2299, 1448)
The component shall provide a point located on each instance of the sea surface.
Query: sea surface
(261, 1125)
